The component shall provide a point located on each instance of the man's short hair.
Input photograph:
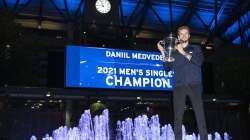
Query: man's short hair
(183, 27)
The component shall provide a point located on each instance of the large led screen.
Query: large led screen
(92, 67)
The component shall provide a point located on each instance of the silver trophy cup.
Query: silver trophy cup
(169, 46)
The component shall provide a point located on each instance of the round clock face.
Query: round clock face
(103, 6)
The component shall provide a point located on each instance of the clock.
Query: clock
(103, 6)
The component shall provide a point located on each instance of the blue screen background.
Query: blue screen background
(99, 67)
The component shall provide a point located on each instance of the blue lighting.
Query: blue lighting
(163, 11)
(60, 4)
(52, 9)
(232, 29)
(221, 19)
(1, 4)
(203, 8)
(128, 7)
(220, 12)
(247, 33)
(151, 17)
(237, 41)
(245, 19)
(207, 17)
(73, 5)
(247, 36)
(195, 23)
(11, 3)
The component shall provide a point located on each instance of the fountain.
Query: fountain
(141, 128)
(33, 138)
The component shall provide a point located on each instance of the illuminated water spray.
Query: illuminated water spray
(141, 128)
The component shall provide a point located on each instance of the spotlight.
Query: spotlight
(48, 94)
(59, 37)
(39, 27)
(214, 99)
(209, 47)
(8, 46)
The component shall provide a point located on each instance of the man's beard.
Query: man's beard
(182, 41)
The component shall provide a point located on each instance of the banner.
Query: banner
(113, 68)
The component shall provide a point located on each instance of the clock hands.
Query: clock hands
(103, 6)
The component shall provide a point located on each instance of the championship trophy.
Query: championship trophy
(169, 47)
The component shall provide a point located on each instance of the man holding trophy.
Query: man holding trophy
(186, 60)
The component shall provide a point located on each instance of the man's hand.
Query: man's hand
(160, 47)
(179, 48)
